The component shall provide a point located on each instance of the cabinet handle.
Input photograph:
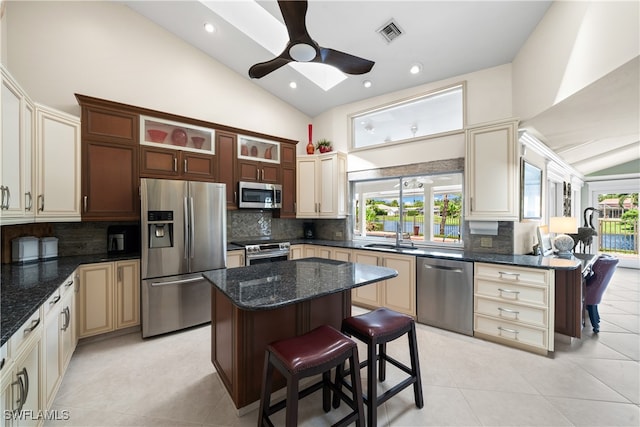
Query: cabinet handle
(235, 197)
(67, 318)
(1, 197)
(508, 291)
(506, 273)
(84, 203)
(7, 200)
(511, 331)
(262, 170)
(507, 310)
(34, 324)
(185, 166)
(69, 283)
(2, 363)
(41, 202)
(120, 274)
(55, 300)
(257, 174)
(20, 399)
(175, 164)
(28, 201)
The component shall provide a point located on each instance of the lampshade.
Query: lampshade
(562, 225)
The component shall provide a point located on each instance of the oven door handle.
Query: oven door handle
(273, 254)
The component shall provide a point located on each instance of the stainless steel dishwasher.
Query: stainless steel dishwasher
(445, 294)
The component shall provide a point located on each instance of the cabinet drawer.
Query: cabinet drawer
(510, 274)
(30, 328)
(52, 302)
(536, 316)
(514, 292)
(67, 285)
(511, 332)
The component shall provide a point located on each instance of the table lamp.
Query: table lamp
(561, 225)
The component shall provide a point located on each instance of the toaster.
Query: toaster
(48, 247)
(24, 249)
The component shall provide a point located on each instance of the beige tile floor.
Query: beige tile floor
(169, 381)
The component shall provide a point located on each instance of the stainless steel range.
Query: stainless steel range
(262, 251)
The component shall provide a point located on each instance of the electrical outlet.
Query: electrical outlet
(486, 242)
(338, 234)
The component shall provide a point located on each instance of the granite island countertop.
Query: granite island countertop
(277, 284)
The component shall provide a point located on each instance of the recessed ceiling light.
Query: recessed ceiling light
(367, 83)
(415, 68)
(209, 28)
(293, 85)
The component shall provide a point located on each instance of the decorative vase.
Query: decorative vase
(310, 148)
(267, 153)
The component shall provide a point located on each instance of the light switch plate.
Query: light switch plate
(486, 242)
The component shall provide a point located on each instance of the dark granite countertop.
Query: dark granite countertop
(534, 261)
(277, 284)
(26, 286)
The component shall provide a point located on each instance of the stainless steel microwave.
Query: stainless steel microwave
(258, 195)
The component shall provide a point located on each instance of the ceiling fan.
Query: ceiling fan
(302, 48)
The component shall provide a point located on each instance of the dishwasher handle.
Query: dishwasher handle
(444, 267)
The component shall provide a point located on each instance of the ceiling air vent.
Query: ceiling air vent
(390, 31)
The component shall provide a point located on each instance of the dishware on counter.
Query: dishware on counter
(156, 135)
(24, 249)
(48, 247)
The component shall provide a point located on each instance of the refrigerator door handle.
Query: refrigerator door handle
(186, 229)
(192, 234)
(177, 282)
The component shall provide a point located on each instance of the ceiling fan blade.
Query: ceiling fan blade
(345, 62)
(294, 14)
(261, 69)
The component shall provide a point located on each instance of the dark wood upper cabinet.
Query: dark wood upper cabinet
(288, 174)
(252, 171)
(177, 164)
(226, 158)
(109, 153)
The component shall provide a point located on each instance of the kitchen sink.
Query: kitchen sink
(391, 247)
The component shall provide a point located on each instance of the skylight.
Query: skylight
(263, 28)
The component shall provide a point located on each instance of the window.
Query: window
(431, 114)
(423, 209)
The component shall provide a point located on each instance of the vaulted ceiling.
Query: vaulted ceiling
(594, 129)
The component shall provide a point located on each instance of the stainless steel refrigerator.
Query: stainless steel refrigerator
(183, 233)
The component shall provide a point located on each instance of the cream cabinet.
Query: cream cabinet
(322, 186)
(317, 251)
(399, 293)
(235, 259)
(26, 388)
(491, 172)
(296, 251)
(6, 379)
(58, 166)
(342, 254)
(108, 297)
(515, 306)
(16, 151)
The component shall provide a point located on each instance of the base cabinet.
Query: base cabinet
(235, 259)
(514, 306)
(108, 297)
(398, 294)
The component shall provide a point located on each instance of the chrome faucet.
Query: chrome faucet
(399, 238)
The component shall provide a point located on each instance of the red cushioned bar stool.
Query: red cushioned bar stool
(313, 353)
(376, 329)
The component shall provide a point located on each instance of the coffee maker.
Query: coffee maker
(309, 230)
(123, 239)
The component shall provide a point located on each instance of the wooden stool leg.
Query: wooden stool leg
(292, 402)
(372, 386)
(415, 367)
(338, 384)
(357, 387)
(326, 391)
(265, 402)
(382, 360)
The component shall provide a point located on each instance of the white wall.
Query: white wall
(488, 99)
(575, 44)
(106, 50)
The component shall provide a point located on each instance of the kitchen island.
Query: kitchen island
(255, 305)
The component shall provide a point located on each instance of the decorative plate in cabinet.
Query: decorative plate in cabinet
(170, 134)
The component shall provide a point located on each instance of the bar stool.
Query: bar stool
(315, 352)
(376, 329)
